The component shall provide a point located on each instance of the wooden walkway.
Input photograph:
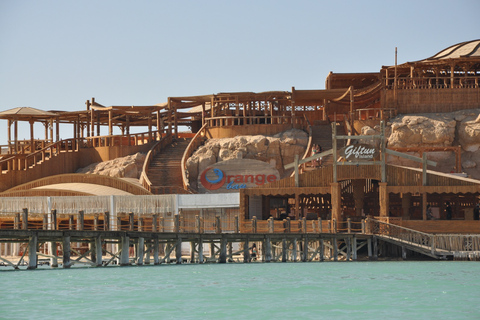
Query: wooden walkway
(87, 247)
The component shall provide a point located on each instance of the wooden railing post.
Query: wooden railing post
(154, 222)
(334, 225)
(320, 227)
(197, 223)
(95, 222)
(81, 216)
(176, 223)
(161, 224)
(254, 225)
(237, 225)
(25, 219)
(140, 224)
(218, 225)
(349, 225)
(131, 220)
(54, 219)
(106, 221)
(363, 226)
(270, 225)
(304, 225)
(288, 225)
(45, 222)
(16, 221)
(70, 222)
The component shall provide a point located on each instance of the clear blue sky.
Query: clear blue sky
(55, 55)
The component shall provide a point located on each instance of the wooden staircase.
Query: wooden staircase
(322, 136)
(165, 172)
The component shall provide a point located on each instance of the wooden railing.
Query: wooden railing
(225, 121)
(436, 243)
(24, 161)
(442, 82)
(194, 144)
(308, 150)
(156, 148)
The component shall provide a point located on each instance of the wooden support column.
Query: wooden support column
(284, 250)
(110, 123)
(223, 250)
(32, 252)
(98, 251)
(156, 260)
(141, 251)
(354, 248)
(294, 251)
(98, 123)
(246, 251)
(54, 259)
(322, 250)
(9, 136)
(66, 252)
(335, 248)
(81, 220)
(200, 250)
(336, 202)
(305, 249)
(268, 248)
(383, 199)
(15, 135)
(178, 251)
(124, 254)
(32, 137)
(25, 219)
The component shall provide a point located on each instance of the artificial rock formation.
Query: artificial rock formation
(437, 130)
(125, 167)
(277, 150)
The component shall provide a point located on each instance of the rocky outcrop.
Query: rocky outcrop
(277, 150)
(437, 130)
(125, 167)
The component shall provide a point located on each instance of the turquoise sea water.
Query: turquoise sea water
(328, 290)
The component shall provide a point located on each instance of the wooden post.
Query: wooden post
(156, 260)
(218, 225)
(200, 250)
(131, 220)
(294, 251)
(141, 251)
(369, 246)
(178, 251)
(53, 250)
(335, 248)
(66, 252)
(375, 248)
(140, 224)
(81, 216)
(270, 225)
(70, 222)
(254, 225)
(349, 225)
(304, 225)
(322, 250)
(197, 223)
(147, 252)
(320, 227)
(32, 252)
(25, 219)
(161, 224)
(305, 249)
(154, 222)
(45, 222)
(124, 254)
(268, 248)
(348, 244)
(246, 252)
(237, 225)
(16, 221)
(284, 250)
(354, 247)
(95, 222)
(288, 225)
(176, 223)
(223, 250)
(106, 221)
(98, 251)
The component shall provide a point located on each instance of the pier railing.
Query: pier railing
(437, 243)
(208, 223)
